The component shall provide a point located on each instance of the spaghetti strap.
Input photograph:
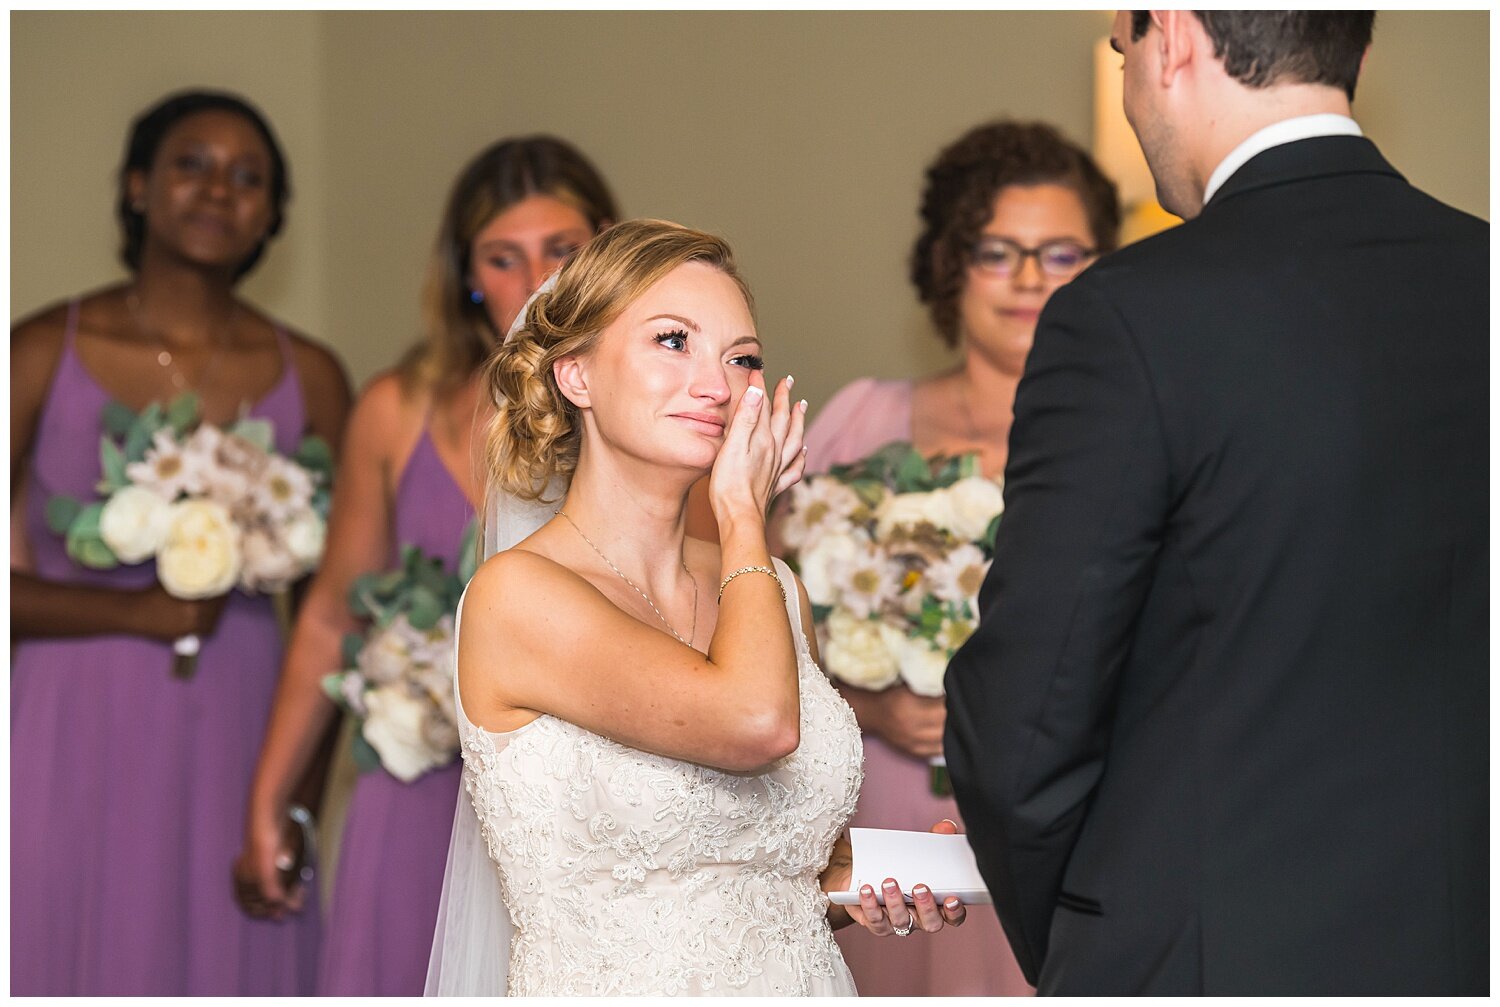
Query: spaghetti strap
(71, 327)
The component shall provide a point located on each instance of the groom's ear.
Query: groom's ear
(571, 376)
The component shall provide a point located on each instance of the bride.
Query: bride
(657, 774)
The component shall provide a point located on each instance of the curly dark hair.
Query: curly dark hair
(146, 135)
(959, 200)
(1262, 47)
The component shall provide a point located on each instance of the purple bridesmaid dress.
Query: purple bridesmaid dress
(395, 839)
(974, 960)
(128, 786)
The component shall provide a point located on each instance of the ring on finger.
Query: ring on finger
(911, 922)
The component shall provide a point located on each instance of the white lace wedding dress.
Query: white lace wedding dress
(631, 873)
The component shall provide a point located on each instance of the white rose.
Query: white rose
(304, 536)
(394, 727)
(200, 557)
(856, 652)
(820, 563)
(134, 523)
(386, 655)
(912, 509)
(440, 733)
(267, 565)
(974, 503)
(922, 667)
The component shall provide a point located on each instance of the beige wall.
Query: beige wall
(801, 137)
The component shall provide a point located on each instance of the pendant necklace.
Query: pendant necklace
(638, 591)
(164, 354)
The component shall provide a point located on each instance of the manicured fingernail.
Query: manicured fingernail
(952, 903)
(890, 886)
(802, 405)
(951, 822)
(789, 382)
(753, 393)
(921, 890)
(867, 890)
(804, 449)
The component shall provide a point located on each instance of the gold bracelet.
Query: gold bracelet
(753, 569)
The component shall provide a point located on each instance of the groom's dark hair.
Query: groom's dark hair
(1260, 48)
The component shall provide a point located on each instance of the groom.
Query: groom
(1223, 727)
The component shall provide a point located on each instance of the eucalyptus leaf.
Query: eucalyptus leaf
(821, 612)
(261, 433)
(151, 418)
(913, 475)
(117, 418)
(987, 541)
(366, 759)
(137, 442)
(349, 649)
(182, 412)
(62, 511)
(314, 454)
(969, 466)
(84, 543)
(468, 551)
(332, 686)
(112, 465)
(425, 609)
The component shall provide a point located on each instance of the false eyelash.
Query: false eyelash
(757, 363)
(681, 333)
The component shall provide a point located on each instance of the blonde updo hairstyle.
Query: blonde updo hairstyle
(535, 433)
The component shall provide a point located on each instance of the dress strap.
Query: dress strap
(70, 329)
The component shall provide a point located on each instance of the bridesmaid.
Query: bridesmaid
(408, 478)
(1011, 212)
(128, 785)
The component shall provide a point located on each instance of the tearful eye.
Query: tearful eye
(749, 361)
(674, 340)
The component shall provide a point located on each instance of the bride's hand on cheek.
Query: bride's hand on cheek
(750, 464)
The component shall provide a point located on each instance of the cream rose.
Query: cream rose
(395, 728)
(973, 504)
(912, 509)
(134, 523)
(922, 667)
(304, 536)
(856, 653)
(387, 655)
(821, 563)
(200, 557)
(267, 563)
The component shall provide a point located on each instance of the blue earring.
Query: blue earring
(477, 296)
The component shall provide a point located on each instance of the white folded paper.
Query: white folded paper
(943, 863)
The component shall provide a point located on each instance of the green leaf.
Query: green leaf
(117, 418)
(987, 541)
(261, 433)
(151, 418)
(969, 466)
(333, 687)
(468, 551)
(350, 647)
(112, 465)
(366, 759)
(315, 455)
(182, 412)
(424, 609)
(821, 612)
(84, 543)
(62, 511)
(913, 475)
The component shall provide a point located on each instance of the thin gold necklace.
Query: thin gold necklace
(643, 594)
(164, 354)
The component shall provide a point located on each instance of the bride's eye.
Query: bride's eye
(751, 361)
(674, 340)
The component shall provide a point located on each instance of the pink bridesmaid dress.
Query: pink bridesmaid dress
(974, 960)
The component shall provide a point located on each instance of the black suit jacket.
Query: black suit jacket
(1224, 725)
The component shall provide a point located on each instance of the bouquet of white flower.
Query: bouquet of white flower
(217, 509)
(893, 550)
(398, 677)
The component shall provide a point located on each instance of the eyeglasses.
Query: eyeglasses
(1057, 259)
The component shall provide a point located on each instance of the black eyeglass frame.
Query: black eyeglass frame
(1027, 253)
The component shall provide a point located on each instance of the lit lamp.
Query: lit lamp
(1119, 155)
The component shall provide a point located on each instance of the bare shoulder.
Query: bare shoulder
(519, 598)
(36, 342)
(317, 364)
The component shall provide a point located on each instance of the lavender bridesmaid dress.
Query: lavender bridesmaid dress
(974, 960)
(395, 845)
(128, 786)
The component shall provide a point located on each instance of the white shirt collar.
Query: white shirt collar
(1302, 127)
